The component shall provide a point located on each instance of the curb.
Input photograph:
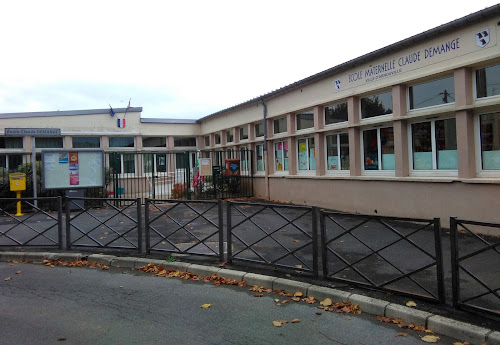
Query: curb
(456, 329)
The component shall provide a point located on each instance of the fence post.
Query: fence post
(59, 222)
(229, 236)
(68, 223)
(221, 230)
(146, 224)
(139, 226)
(439, 260)
(322, 227)
(314, 215)
(455, 288)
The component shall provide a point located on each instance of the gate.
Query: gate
(367, 251)
(475, 271)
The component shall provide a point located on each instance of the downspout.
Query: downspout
(266, 156)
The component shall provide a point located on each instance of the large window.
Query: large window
(49, 143)
(244, 158)
(244, 133)
(185, 142)
(305, 154)
(337, 152)
(489, 125)
(11, 142)
(121, 142)
(280, 125)
(488, 81)
(281, 156)
(207, 141)
(229, 136)
(154, 163)
(217, 139)
(259, 150)
(259, 129)
(123, 163)
(435, 92)
(10, 162)
(154, 142)
(434, 145)
(378, 149)
(336, 113)
(305, 120)
(86, 142)
(376, 105)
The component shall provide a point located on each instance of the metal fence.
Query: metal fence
(99, 223)
(278, 235)
(394, 254)
(31, 224)
(475, 266)
(185, 227)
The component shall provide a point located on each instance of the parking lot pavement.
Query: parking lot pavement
(49, 305)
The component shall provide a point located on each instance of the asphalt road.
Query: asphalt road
(60, 305)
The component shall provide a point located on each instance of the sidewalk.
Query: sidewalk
(369, 305)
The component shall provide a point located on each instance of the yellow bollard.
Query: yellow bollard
(19, 213)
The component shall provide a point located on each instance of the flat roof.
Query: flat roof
(69, 112)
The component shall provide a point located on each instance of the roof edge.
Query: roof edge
(69, 112)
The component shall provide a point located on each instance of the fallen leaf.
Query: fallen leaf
(430, 339)
(277, 324)
(18, 272)
(258, 295)
(459, 343)
(8, 279)
(326, 302)
(205, 306)
(285, 301)
(298, 266)
(296, 299)
(295, 320)
(429, 331)
(318, 313)
(276, 300)
(411, 304)
(402, 335)
(298, 294)
(61, 338)
(223, 264)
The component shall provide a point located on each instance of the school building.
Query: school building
(411, 130)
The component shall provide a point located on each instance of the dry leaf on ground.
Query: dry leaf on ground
(402, 335)
(295, 320)
(430, 339)
(205, 306)
(8, 279)
(326, 302)
(298, 294)
(411, 304)
(277, 324)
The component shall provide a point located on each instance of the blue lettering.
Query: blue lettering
(355, 76)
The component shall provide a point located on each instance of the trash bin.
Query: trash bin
(76, 205)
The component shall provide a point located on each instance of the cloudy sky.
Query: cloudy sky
(188, 59)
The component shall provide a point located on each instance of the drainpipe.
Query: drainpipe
(266, 156)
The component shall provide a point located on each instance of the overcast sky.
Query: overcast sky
(189, 59)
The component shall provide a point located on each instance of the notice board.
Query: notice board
(72, 169)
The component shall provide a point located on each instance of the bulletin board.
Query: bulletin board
(72, 169)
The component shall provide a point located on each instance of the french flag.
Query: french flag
(121, 123)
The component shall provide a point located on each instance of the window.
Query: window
(259, 129)
(488, 81)
(280, 125)
(378, 149)
(229, 136)
(207, 141)
(86, 142)
(154, 163)
(337, 152)
(244, 133)
(259, 150)
(244, 158)
(48, 143)
(281, 156)
(376, 105)
(434, 145)
(10, 163)
(435, 92)
(489, 128)
(217, 139)
(121, 142)
(306, 150)
(123, 163)
(305, 120)
(336, 113)
(229, 153)
(11, 142)
(154, 142)
(185, 142)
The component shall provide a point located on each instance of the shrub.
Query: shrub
(179, 191)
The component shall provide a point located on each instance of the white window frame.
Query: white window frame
(379, 171)
(124, 174)
(434, 171)
(309, 171)
(257, 159)
(240, 129)
(281, 133)
(281, 172)
(308, 129)
(339, 170)
(474, 86)
(376, 118)
(154, 171)
(480, 172)
(335, 124)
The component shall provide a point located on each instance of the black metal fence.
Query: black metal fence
(475, 266)
(185, 227)
(393, 254)
(26, 222)
(273, 234)
(99, 223)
